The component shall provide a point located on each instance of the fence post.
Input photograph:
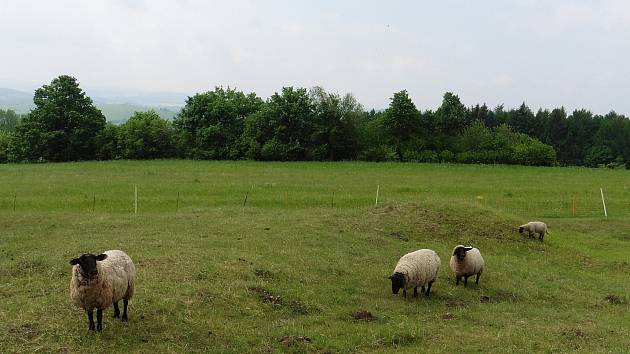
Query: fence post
(245, 201)
(177, 203)
(135, 199)
(573, 206)
(378, 186)
(601, 190)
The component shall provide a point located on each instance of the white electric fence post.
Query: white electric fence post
(601, 190)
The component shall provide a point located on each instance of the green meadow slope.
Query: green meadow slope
(289, 270)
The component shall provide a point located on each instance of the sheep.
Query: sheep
(466, 262)
(100, 281)
(533, 228)
(418, 268)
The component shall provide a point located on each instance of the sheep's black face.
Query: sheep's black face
(398, 281)
(460, 253)
(87, 264)
(520, 230)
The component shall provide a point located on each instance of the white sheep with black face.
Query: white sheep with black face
(534, 227)
(466, 262)
(99, 281)
(418, 268)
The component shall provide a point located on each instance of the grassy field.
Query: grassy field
(287, 271)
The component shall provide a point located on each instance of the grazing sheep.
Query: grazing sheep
(533, 228)
(415, 269)
(100, 281)
(466, 262)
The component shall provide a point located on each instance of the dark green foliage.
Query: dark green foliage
(479, 144)
(580, 128)
(147, 136)
(282, 129)
(213, 122)
(534, 153)
(108, 143)
(451, 118)
(5, 141)
(401, 124)
(296, 124)
(483, 114)
(556, 130)
(522, 120)
(335, 134)
(62, 127)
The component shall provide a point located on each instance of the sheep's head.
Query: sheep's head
(87, 264)
(520, 229)
(460, 252)
(398, 281)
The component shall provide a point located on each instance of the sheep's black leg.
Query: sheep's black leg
(542, 235)
(99, 319)
(415, 292)
(423, 289)
(457, 280)
(466, 280)
(116, 310)
(124, 316)
(429, 288)
(405, 293)
(477, 281)
(91, 320)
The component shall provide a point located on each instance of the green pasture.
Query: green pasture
(278, 257)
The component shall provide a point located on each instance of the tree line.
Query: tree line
(299, 124)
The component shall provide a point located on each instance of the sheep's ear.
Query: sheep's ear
(389, 277)
(468, 248)
(74, 261)
(101, 257)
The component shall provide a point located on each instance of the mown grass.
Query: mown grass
(287, 271)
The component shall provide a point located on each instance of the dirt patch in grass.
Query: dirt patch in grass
(363, 315)
(243, 260)
(448, 316)
(296, 306)
(575, 333)
(25, 330)
(263, 273)
(289, 341)
(615, 299)
(266, 296)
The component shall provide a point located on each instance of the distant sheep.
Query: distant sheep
(534, 227)
(419, 268)
(466, 262)
(100, 281)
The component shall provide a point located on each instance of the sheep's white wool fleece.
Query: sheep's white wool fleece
(419, 267)
(471, 265)
(115, 281)
(535, 227)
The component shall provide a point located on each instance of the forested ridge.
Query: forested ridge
(311, 124)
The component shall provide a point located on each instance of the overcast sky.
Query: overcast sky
(547, 53)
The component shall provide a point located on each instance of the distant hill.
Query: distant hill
(117, 109)
(19, 101)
